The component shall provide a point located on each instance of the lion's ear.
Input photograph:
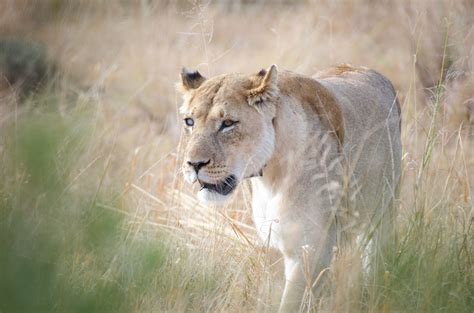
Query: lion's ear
(190, 80)
(267, 88)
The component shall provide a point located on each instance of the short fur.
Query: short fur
(330, 151)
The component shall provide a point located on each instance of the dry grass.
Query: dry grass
(119, 62)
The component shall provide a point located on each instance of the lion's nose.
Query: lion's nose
(198, 165)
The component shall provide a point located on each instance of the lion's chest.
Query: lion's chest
(266, 207)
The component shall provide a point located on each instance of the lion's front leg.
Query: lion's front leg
(294, 286)
(304, 268)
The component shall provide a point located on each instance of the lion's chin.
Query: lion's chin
(217, 193)
(210, 197)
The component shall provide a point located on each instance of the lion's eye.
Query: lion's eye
(189, 122)
(227, 123)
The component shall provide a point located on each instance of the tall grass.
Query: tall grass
(67, 242)
(94, 216)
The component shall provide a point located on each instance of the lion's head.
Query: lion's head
(228, 129)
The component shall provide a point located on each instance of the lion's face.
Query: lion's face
(228, 130)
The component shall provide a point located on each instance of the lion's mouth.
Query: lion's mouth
(224, 188)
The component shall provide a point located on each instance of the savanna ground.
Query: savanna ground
(94, 216)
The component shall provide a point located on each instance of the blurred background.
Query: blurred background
(94, 216)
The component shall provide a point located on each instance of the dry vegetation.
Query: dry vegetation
(102, 139)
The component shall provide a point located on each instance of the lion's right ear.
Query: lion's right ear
(190, 80)
(268, 87)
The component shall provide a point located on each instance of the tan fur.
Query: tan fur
(311, 93)
(338, 70)
(329, 148)
(344, 69)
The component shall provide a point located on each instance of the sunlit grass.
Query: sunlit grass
(94, 216)
(67, 248)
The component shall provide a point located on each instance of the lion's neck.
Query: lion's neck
(291, 132)
(300, 139)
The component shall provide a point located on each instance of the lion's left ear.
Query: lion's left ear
(190, 80)
(267, 88)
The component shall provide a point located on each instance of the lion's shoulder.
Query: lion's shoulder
(316, 98)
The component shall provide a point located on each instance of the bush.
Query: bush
(23, 65)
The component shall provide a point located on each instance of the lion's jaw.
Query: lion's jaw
(211, 196)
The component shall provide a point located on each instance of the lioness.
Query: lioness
(323, 156)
